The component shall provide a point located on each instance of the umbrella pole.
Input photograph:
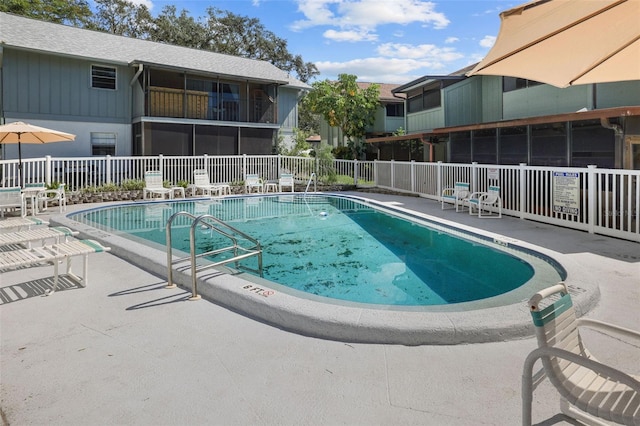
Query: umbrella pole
(20, 162)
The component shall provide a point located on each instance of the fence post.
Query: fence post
(413, 176)
(522, 190)
(438, 179)
(279, 166)
(244, 166)
(592, 192)
(375, 172)
(393, 175)
(107, 169)
(355, 172)
(205, 162)
(474, 176)
(47, 170)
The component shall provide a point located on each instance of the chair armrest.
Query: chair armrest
(477, 195)
(589, 363)
(607, 327)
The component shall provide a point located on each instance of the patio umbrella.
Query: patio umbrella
(20, 133)
(567, 42)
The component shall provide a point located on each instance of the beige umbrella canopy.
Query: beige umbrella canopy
(567, 42)
(20, 133)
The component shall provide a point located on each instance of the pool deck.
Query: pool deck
(127, 350)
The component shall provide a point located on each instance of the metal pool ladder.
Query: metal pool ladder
(313, 179)
(216, 225)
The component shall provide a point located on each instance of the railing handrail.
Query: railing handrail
(203, 220)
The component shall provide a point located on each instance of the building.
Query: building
(508, 120)
(123, 96)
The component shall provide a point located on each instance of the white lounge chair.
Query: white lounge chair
(20, 223)
(10, 199)
(54, 254)
(456, 195)
(485, 203)
(154, 185)
(251, 182)
(57, 233)
(585, 385)
(202, 182)
(285, 181)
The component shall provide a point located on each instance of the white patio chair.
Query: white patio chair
(286, 181)
(11, 198)
(251, 182)
(201, 182)
(585, 385)
(456, 196)
(54, 194)
(485, 203)
(154, 185)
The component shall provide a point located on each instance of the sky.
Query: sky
(379, 41)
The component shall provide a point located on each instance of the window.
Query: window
(395, 110)
(103, 77)
(426, 100)
(103, 143)
(514, 83)
(431, 98)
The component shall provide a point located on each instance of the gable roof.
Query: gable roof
(386, 91)
(46, 37)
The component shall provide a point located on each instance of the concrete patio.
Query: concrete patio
(127, 350)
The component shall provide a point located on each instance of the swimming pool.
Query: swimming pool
(341, 248)
(497, 317)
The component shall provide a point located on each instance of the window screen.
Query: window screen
(103, 143)
(103, 77)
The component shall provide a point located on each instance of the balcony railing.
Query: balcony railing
(178, 103)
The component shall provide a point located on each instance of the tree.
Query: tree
(345, 105)
(180, 30)
(75, 12)
(123, 18)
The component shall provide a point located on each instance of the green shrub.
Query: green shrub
(132, 185)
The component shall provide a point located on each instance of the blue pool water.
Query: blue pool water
(339, 248)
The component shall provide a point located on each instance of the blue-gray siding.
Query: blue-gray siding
(47, 87)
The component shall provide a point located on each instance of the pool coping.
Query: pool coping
(350, 322)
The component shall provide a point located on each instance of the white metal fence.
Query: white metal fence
(604, 201)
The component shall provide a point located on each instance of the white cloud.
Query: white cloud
(379, 69)
(352, 36)
(428, 52)
(488, 41)
(365, 15)
(451, 40)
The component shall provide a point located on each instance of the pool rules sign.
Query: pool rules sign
(566, 193)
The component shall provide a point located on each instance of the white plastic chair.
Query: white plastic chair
(153, 184)
(201, 182)
(55, 194)
(589, 390)
(251, 182)
(11, 198)
(485, 203)
(456, 195)
(286, 181)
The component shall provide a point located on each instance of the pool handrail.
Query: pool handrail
(256, 250)
(315, 183)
